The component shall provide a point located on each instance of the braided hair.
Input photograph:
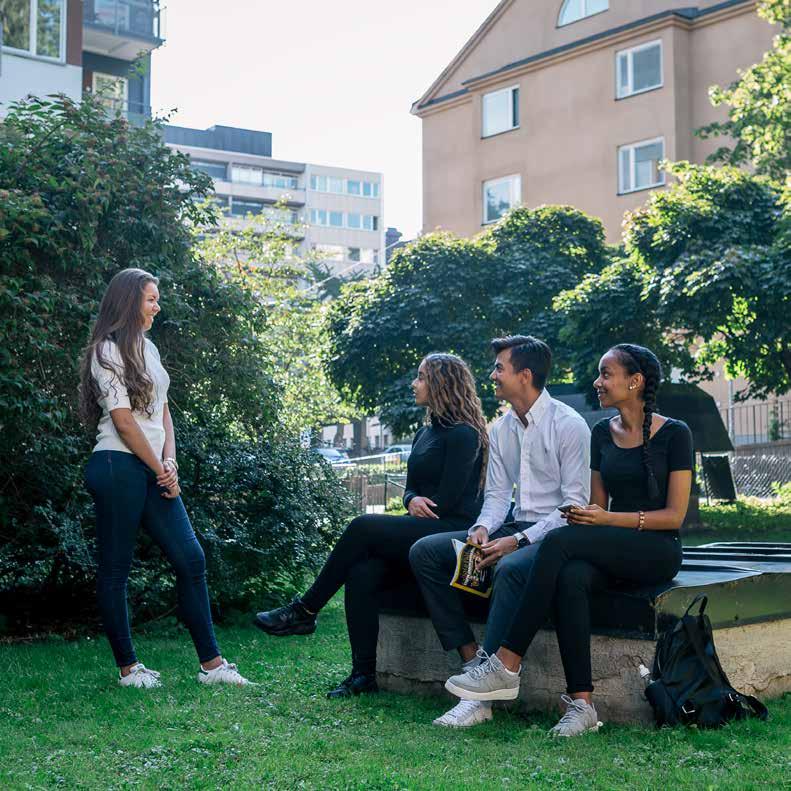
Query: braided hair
(637, 359)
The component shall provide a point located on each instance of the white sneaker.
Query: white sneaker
(140, 676)
(579, 718)
(226, 673)
(465, 714)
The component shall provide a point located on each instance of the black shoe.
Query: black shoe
(355, 684)
(292, 618)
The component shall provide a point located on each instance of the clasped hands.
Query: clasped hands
(169, 479)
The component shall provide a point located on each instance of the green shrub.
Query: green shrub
(81, 197)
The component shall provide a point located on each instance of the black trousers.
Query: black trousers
(572, 563)
(372, 553)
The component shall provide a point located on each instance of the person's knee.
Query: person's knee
(191, 563)
(575, 578)
(512, 568)
(431, 552)
(359, 528)
(419, 554)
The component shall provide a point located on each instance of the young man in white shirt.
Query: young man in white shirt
(542, 448)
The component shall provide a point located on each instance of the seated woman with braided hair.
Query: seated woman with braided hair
(443, 494)
(641, 475)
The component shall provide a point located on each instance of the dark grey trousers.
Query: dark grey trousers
(433, 562)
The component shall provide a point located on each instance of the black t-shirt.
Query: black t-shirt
(622, 470)
(445, 466)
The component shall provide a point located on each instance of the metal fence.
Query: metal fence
(756, 475)
(374, 480)
(750, 424)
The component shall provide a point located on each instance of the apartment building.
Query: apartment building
(576, 102)
(74, 46)
(335, 212)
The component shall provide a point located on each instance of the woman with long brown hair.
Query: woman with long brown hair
(444, 489)
(133, 476)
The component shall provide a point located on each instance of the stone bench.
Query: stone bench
(749, 590)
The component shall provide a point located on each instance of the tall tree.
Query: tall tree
(759, 105)
(442, 293)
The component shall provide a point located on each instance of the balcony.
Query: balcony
(122, 28)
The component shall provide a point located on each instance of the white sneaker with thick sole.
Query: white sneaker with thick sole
(226, 673)
(580, 717)
(465, 714)
(140, 676)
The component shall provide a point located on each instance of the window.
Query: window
(370, 222)
(363, 255)
(354, 220)
(500, 195)
(353, 187)
(334, 184)
(336, 219)
(244, 174)
(638, 165)
(500, 111)
(318, 216)
(34, 26)
(354, 254)
(217, 170)
(370, 189)
(241, 207)
(367, 189)
(318, 183)
(639, 69)
(573, 10)
(279, 180)
(111, 90)
(286, 216)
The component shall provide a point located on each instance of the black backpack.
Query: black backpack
(689, 685)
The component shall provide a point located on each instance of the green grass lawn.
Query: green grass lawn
(65, 722)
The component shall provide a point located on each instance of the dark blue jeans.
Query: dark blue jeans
(126, 496)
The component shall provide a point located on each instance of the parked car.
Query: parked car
(335, 456)
(403, 451)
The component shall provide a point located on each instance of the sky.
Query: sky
(332, 81)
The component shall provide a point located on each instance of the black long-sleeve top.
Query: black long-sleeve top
(445, 466)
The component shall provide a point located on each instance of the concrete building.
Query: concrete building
(336, 212)
(575, 102)
(73, 46)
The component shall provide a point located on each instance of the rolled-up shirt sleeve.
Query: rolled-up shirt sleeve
(574, 441)
(498, 491)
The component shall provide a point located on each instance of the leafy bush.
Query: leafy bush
(81, 197)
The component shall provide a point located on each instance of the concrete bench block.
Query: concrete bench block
(756, 657)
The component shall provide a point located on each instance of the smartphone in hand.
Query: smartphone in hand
(564, 509)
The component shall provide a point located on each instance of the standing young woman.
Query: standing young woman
(133, 476)
(641, 475)
(443, 494)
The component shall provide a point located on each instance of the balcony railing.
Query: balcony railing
(137, 18)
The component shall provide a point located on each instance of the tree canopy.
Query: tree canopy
(442, 293)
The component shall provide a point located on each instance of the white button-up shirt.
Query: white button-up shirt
(548, 460)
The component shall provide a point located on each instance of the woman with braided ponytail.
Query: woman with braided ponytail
(444, 492)
(641, 476)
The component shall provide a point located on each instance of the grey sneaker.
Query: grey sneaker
(490, 680)
(480, 656)
(579, 717)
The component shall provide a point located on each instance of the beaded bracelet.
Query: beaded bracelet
(640, 520)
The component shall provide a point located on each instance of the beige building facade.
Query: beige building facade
(575, 102)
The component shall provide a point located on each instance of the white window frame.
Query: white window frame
(510, 90)
(238, 166)
(629, 54)
(30, 52)
(631, 147)
(515, 180)
(115, 78)
(585, 13)
(372, 186)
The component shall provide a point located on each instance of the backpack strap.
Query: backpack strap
(701, 597)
